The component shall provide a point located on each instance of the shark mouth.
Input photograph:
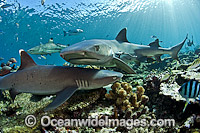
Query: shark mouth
(83, 61)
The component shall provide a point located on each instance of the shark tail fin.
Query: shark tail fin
(65, 33)
(175, 49)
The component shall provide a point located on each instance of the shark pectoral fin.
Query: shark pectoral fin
(187, 102)
(61, 97)
(157, 57)
(13, 93)
(122, 65)
(127, 57)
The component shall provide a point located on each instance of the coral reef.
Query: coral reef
(129, 103)
(101, 111)
(152, 82)
(126, 99)
(191, 124)
(81, 100)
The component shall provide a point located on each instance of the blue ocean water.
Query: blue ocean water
(27, 23)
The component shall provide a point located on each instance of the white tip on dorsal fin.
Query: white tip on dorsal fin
(26, 60)
(121, 37)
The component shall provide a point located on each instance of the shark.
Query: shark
(73, 32)
(49, 80)
(48, 48)
(116, 53)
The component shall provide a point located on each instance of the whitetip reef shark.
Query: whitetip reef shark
(60, 80)
(115, 53)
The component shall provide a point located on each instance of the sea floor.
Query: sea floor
(152, 93)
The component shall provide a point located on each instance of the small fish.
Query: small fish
(1, 58)
(43, 57)
(190, 90)
(8, 63)
(194, 64)
(165, 77)
(13, 60)
(6, 5)
(42, 2)
(17, 24)
(153, 36)
(73, 32)
(6, 68)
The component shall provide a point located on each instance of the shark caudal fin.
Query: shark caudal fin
(65, 33)
(175, 49)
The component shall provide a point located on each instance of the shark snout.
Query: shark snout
(78, 56)
(105, 77)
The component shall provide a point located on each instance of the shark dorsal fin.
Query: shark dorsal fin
(155, 43)
(121, 37)
(26, 60)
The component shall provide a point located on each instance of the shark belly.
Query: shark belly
(150, 52)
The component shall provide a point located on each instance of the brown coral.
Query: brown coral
(125, 100)
(140, 91)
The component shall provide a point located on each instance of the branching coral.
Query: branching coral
(127, 101)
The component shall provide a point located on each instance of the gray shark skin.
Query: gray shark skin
(115, 53)
(59, 80)
(48, 48)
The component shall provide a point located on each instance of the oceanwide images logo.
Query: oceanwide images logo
(46, 121)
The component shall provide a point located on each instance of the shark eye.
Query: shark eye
(97, 48)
